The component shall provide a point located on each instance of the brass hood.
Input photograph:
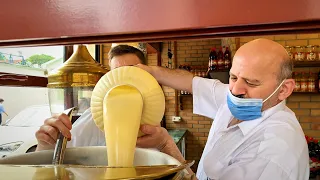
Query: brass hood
(80, 70)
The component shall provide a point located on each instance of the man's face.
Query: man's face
(124, 60)
(254, 76)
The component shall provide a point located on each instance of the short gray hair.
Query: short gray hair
(286, 69)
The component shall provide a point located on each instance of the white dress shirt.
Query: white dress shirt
(84, 132)
(272, 147)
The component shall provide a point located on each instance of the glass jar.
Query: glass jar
(311, 82)
(300, 53)
(297, 80)
(303, 82)
(311, 53)
(317, 52)
(314, 75)
(290, 51)
(294, 52)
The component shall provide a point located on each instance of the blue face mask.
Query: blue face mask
(247, 109)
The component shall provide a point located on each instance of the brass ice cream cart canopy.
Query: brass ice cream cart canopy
(80, 70)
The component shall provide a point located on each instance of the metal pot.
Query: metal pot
(91, 163)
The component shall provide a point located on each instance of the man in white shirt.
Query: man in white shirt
(84, 131)
(254, 134)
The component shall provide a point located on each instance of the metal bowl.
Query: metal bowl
(91, 163)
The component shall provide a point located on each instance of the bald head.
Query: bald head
(259, 69)
(267, 56)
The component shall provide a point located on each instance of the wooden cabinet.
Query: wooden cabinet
(63, 22)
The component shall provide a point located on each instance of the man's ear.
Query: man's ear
(286, 89)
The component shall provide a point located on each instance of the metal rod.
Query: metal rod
(59, 150)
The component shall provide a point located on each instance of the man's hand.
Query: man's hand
(155, 137)
(47, 135)
(175, 78)
(158, 137)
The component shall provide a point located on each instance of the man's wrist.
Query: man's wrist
(167, 143)
(166, 146)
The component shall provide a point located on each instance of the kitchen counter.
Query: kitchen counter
(179, 137)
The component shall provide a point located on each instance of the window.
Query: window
(22, 67)
(33, 61)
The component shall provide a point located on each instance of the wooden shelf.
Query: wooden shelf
(316, 92)
(221, 70)
(306, 63)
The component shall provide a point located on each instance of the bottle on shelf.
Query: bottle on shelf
(319, 81)
(211, 57)
(300, 53)
(220, 59)
(188, 67)
(227, 58)
(311, 54)
(303, 82)
(306, 81)
(184, 66)
(289, 50)
(223, 49)
(311, 82)
(214, 59)
(297, 80)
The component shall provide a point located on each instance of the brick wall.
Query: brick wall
(152, 59)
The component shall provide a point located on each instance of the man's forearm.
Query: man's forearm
(172, 149)
(174, 78)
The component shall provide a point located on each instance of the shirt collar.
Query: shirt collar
(247, 126)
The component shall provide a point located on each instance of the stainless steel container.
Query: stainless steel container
(91, 163)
